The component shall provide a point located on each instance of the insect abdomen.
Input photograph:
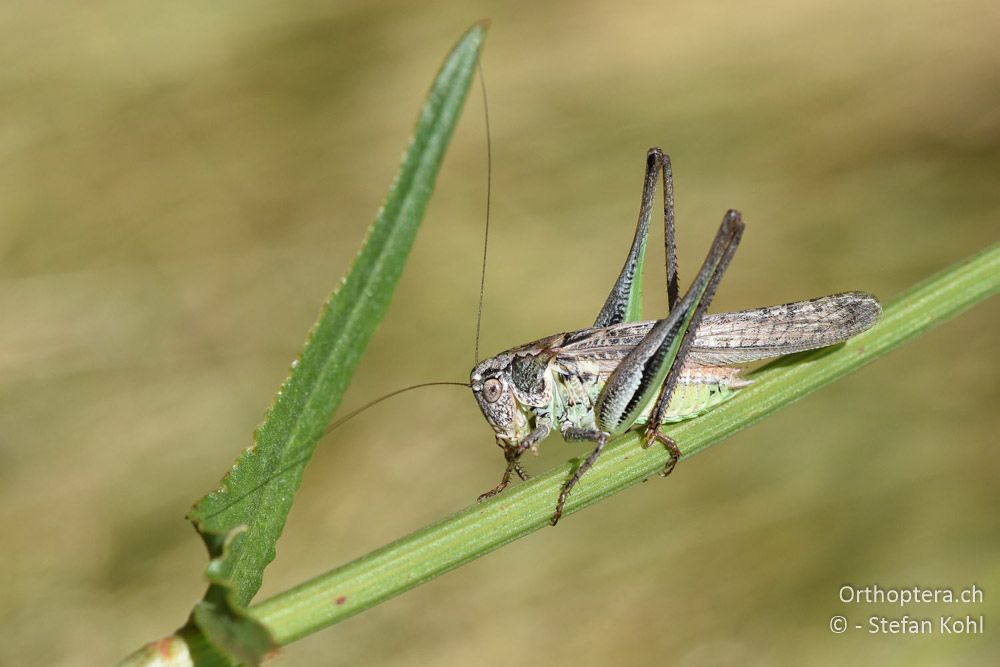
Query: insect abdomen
(698, 390)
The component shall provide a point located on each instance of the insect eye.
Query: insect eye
(491, 390)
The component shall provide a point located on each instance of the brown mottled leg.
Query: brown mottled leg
(512, 453)
(654, 435)
(601, 438)
(504, 482)
(512, 466)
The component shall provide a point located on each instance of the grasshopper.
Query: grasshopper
(622, 372)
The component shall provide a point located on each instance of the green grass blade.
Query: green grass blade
(259, 489)
(527, 507)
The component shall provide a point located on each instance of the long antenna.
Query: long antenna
(370, 404)
(479, 320)
(489, 187)
(334, 425)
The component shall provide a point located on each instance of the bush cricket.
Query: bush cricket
(622, 372)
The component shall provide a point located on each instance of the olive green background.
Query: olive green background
(183, 183)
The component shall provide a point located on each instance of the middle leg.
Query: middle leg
(574, 433)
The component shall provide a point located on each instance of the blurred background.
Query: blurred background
(183, 183)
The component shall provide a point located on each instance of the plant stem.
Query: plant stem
(479, 529)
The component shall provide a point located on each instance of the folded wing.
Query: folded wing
(760, 333)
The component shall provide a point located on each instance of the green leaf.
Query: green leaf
(480, 529)
(258, 491)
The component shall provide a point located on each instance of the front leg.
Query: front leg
(513, 452)
(575, 433)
